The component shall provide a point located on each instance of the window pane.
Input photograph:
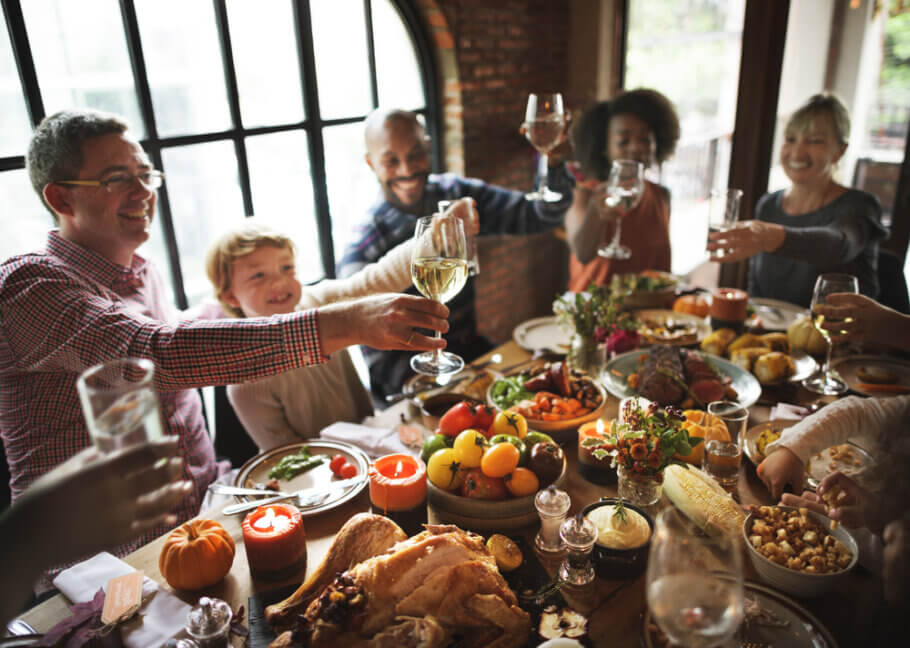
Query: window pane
(397, 66)
(268, 73)
(351, 184)
(14, 127)
(342, 68)
(204, 193)
(703, 87)
(183, 58)
(278, 162)
(81, 57)
(24, 227)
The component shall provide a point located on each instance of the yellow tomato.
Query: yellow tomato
(521, 482)
(500, 460)
(469, 447)
(444, 470)
(510, 423)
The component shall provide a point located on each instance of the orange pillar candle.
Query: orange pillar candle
(275, 541)
(592, 435)
(398, 490)
(728, 308)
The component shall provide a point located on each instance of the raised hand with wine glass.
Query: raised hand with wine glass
(826, 381)
(544, 126)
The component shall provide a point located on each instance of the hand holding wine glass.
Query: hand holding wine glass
(625, 187)
(694, 582)
(543, 126)
(826, 381)
(439, 269)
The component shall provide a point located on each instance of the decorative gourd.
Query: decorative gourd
(706, 426)
(802, 334)
(196, 554)
(692, 304)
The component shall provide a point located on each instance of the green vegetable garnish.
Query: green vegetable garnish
(296, 463)
(508, 391)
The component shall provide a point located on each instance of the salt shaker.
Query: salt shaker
(552, 505)
(579, 534)
(209, 623)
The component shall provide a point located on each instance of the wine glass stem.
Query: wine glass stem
(438, 352)
(616, 233)
(826, 370)
(542, 165)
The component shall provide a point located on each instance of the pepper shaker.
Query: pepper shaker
(209, 623)
(579, 535)
(552, 505)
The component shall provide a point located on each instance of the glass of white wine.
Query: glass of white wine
(439, 270)
(694, 582)
(625, 187)
(827, 381)
(545, 120)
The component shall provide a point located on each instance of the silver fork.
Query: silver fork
(18, 627)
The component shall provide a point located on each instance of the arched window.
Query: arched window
(249, 108)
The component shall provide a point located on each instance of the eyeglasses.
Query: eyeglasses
(121, 182)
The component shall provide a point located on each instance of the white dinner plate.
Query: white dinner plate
(685, 329)
(850, 367)
(773, 314)
(256, 471)
(542, 333)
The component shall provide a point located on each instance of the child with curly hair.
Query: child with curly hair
(638, 125)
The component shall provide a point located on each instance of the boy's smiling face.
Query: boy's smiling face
(264, 283)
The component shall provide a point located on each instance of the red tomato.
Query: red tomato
(479, 486)
(483, 419)
(347, 471)
(459, 417)
(336, 463)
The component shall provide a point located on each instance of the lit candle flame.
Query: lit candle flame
(398, 468)
(600, 427)
(266, 521)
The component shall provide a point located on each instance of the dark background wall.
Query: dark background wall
(490, 55)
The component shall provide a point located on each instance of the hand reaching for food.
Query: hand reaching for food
(849, 503)
(780, 468)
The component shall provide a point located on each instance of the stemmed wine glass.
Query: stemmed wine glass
(694, 582)
(439, 269)
(827, 381)
(543, 126)
(624, 189)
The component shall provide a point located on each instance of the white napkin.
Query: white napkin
(161, 616)
(374, 441)
(788, 411)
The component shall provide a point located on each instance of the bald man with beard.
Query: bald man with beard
(397, 150)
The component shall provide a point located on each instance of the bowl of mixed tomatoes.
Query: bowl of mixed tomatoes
(555, 399)
(484, 467)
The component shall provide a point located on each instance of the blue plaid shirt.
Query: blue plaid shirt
(502, 211)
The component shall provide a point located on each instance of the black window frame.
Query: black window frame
(313, 125)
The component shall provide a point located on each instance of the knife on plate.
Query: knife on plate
(305, 493)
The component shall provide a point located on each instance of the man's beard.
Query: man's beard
(393, 197)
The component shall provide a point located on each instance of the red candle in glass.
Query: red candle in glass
(275, 541)
(398, 490)
(728, 308)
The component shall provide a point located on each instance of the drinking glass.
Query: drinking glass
(694, 582)
(722, 459)
(543, 126)
(624, 189)
(439, 269)
(470, 238)
(120, 403)
(723, 214)
(827, 381)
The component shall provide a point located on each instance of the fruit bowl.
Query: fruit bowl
(485, 515)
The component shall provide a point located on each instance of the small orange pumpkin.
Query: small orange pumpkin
(693, 304)
(706, 426)
(196, 554)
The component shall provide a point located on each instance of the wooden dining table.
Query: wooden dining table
(615, 609)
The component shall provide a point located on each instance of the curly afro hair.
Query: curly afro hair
(590, 132)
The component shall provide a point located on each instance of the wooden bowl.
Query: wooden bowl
(486, 515)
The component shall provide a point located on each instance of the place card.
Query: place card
(123, 598)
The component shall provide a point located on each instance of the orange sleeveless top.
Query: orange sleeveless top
(645, 230)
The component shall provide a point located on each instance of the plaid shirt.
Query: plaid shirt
(501, 211)
(68, 308)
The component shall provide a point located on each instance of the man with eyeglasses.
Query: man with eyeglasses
(89, 297)
(397, 150)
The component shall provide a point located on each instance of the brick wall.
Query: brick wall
(490, 56)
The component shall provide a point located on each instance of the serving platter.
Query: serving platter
(256, 471)
(542, 333)
(774, 314)
(469, 381)
(662, 326)
(851, 367)
(617, 370)
(804, 366)
(802, 629)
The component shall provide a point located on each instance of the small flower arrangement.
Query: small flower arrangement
(644, 440)
(597, 315)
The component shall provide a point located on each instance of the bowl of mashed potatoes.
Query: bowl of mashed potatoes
(623, 538)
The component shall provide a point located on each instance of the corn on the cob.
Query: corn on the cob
(702, 499)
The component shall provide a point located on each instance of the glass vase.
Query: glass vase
(587, 355)
(639, 488)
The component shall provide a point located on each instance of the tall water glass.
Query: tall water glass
(471, 227)
(723, 214)
(120, 403)
(694, 582)
(722, 459)
(827, 381)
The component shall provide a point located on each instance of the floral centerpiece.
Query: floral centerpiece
(596, 319)
(642, 442)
